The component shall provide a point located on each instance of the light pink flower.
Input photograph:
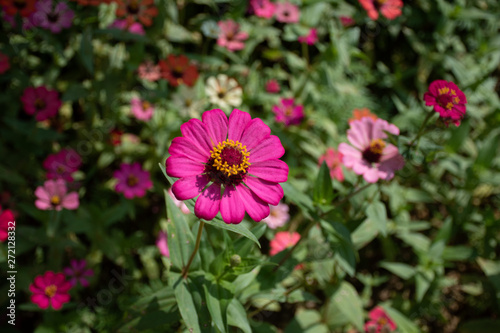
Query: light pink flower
(333, 160)
(278, 216)
(162, 244)
(283, 240)
(311, 38)
(272, 86)
(53, 195)
(288, 112)
(62, 164)
(50, 289)
(42, 102)
(379, 322)
(389, 8)
(78, 272)
(448, 100)
(4, 63)
(149, 71)
(141, 109)
(369, 154)
(182, 206)
(262, 8)
(133, 181)
(238, 157)
(230, 35)
(134, 28)
(6, 216)
(287, 12)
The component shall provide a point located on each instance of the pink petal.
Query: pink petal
(58, 300)
(42, 194)
(184, 147)
(71, 201)
(189, 187)
(208, 203)
(197, 132)
(271, 170)
(254, 133)
(371, 175)
(269, 192)
(268, 149)
(43, 205)
(41, 300)
(231, 207)
(60, 187)
(216, 124)
(256, 208)
(359, 132)
(183, 167)
(238, 121)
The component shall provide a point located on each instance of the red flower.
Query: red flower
(5, 217)
(389, 8)
(42, 102)
(50, 289)
(447, 99)
(24, 7)
(379, 322)
(177, 70)
(137, 10)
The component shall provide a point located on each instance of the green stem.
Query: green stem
(420, 130)
(185, 270)
(305, 53)
(53, 224)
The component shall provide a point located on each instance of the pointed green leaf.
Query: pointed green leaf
(347, 300)
(185, 303)
(218, 296)
(237, 316)
(377, 213)
(323, 188)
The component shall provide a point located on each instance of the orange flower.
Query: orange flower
(361, 113)
(177, 70)
(137, 10)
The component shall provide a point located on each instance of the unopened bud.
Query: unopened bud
(235, 260)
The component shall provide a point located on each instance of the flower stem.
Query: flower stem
(420, 130)
(53, 223)
(305, 53)
(185, 270)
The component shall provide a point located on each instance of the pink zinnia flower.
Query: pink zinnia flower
(347, 21)
(133, 28)
(286, 12)
(4, 63)
(149, 71)
(239, 157)
(278, 216)
(379, 322)
(389, 8)
(447, 99)
(311, 38)
(182, 206)
(288, 113)
(230, 35)
(262, 8)
(77, 272)
(133, 181)
(6, 216)
(162, 244)
(333, 160)
(53, 195)
(53, 18)
(62, 164)
(283, 240)
(142, 110)
(272, 86)
(40, 101)
(50, 289)
(369, 154)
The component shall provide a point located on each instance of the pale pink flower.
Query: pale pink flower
(283, 240)
(278, 216)
(162, 244)
(287, 12)
(333, 160)
(369, 154)
(263, 8)
(230, 35)
(53, 195)
(149, 71)
(141, 109)
(182, 206)
(311, 38)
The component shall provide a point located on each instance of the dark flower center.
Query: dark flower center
(379, 3)
(60, 169)
(221, 94)
(133, 7)
(53, 17)
(228, 163)
(19, 4)
(178, 72)
(132, 180)
(373, 153)
(40, 104)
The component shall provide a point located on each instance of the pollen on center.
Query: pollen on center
(230, 157)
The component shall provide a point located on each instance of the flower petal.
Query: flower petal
(256, 208)
(254, 133)
(216, 123)
(268, 149)
(271, 170)
(189, 187)
(269, 192)
(182, 146)
(183, 167)
(197, 132)
(231, 207)
(238, 121)
(41, 300)
(71, 201)
(208, 203)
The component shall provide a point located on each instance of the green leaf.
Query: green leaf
(404, 324)
(347, 301)
(185, 302)
(218, 296)
(323, 189)
(404, 271)
(377, 213)
(87, 50)
(237, 316)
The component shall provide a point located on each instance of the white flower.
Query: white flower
(210, 29)
(223, 91)
(187, 102)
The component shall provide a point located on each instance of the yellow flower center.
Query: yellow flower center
(373, 153)
(230, 157)
(377, 146)
(55, 200)
(447, 97)
(50, 291)
(146, 105)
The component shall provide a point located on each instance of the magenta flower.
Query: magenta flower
(53, 195)
(61, 165)
(278, 216)
(6, 216)
(448, 100)
(262, 8)
(42, 102)
(272, 86)
(50, 289)
(230, 35)
(287, 12)
(389, 8)
(53, 18)
(347, 21)
(149, 71)
(379, 322)
(283, 240)
(4, 63)
(134, 28)
(78, 272)
(369, 154)
(142, 110)
(288, 113)
(333, 160)
(311, 38)
(236, 160)
(182, 206)
(162, 244)
(133, 181)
